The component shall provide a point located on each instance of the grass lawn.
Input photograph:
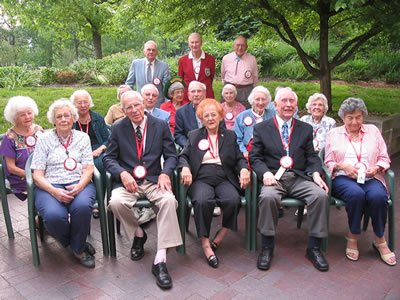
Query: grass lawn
(379, 100)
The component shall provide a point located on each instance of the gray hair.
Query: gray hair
(279, 87)
(17, 104)
(351, 105)
(175, 87)
(315, 97)
(150, 42)
(63, 102)
(283, 89)
(149, 86)
(78, 93)
(193, 34)
(123, 86)
(229, 87)
(130, 93)
(192, 83)
(259, 89)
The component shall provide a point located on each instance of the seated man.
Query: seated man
(150, 95)
(137, 143)
(284, 146)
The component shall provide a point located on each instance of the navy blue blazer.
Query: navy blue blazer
(186, 121)
(267, 149)
(121, 154)
(99, 127)
(232, 158)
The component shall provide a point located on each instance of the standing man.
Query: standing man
(239, 68)
(149, 70)
(150, 95)
(133, 157)
(197, 65)
(284, 159)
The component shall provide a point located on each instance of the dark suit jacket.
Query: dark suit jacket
(267, 149)
(206, 74)
(232, 158)
(121, 154)
(186, 121)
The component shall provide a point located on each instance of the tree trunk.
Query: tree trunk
(98, 53)
(325, 70)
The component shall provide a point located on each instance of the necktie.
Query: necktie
(285, 132)
(139, 135)
(149, 73)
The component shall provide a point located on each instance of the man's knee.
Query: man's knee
(169, 201)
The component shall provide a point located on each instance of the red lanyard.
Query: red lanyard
(354, 148)
(87, 125)
(65, 145)
(315, 132)
(285, 146)
(140, 147)
(212, 152)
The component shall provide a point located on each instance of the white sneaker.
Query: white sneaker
(217, 211)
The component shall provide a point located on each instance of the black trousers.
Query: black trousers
(212, 187)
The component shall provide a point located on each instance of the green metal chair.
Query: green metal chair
(246, 200)
(285, 202)
(390, 180)
(141, 202)
(4, 191)
(32, 211)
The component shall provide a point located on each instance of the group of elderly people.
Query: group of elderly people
(215, 163)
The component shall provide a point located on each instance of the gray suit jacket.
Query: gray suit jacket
(137, 76)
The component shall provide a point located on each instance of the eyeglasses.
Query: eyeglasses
(65, 116)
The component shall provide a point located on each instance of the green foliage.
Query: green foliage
(48, 75)
(231, 28)
(17, 77)
(66, 77)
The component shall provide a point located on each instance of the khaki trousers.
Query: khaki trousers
(121, 204)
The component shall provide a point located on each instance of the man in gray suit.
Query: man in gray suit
(149, 70)
(150, 95)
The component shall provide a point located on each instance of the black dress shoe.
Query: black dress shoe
(213, 261)
(89, 249)
(163, 279)
(137, 250)
(317, 258)
(87, 260)
(214, 245)
(265, 258)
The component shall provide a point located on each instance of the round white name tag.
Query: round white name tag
(286, 162)
(248, 121)
(70, 164)
(315, 143)
(203, 145)
(229, 116)
(247, 74)
(30, 140)
(156, 81)
(197, 70)
(139, 172)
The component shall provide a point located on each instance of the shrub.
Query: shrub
(16, 77)
(66, 77)
(48, 75)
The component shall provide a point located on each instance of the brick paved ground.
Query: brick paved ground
(290, 277)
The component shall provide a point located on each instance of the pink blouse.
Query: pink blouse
(337, 143)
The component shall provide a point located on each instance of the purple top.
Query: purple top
(15, 146)
(237, 109)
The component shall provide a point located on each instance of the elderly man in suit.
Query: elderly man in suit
(150, 95)
(149, 70)
(197, 65)
(137, 143)
(284, 159)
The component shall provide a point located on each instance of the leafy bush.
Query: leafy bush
(67, 77)
(292, 69)
(16, 77)
(48, 75)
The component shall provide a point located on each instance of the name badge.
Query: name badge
(248, 121)
(286, 163)
(156, 81)
(139, 172)
(229, 116)
(247, 74)
(30, 140)
(361, 172)
(315, 143)
(70, 164)
(203, 145)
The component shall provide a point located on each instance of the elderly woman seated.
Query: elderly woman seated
(357, 157)
(232, 108)
(174, 90)
(317, 106)
(211, 164)
(92, 123)
(259, 98)
(63, 169)
(115, 112)
(19, 140)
